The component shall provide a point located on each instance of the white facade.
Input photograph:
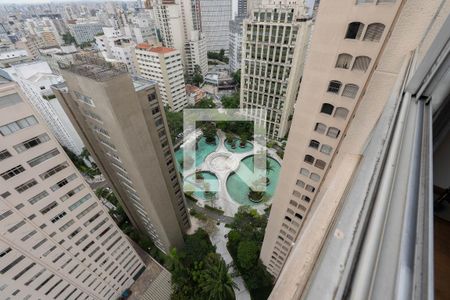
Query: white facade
(57, 241)
(179, 30)
(216, 16)
(35, 80)
(235, 46)
(163, 65)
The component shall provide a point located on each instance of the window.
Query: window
(350, 90)
(9, 100)
(333, 132)
(63, 182)
(58, 217)
(314, 144)
(327, 108)
(326, 149)
(12, 264)
(54, 170)
(17, 125)
(309, 159)
(71, 192)
(38, 197)
(320, 164)
(314, 176)
(4, 154)
(25, 186)
(341, 113)
(12, 172)
(300, 183)
(310, 188)
(79, 202)
(374, 32)
(43, 157)
(344, 60)
(32, 143)
(361, 63)
(334, 86)
(306, 198)
(85, 99)
(364, 1)
(304, 172)
(354, 30)
(49, 207)
(5, 195)
(320, 128)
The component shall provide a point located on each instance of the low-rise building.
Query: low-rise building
(194, 94)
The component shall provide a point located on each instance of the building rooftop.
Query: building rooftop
(150, 48)
(141, 83)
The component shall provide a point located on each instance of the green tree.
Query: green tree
(209, 131)
(206, 103)
(237, 77)
(216, 282)
(175, 123)
(197, 78)
(231, 101)
(247, 254)
(68, 39)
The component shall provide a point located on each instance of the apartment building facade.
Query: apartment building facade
(35, 79)
(358, 58)
(122, 124)
(56, 239)
(235, 43)
(273, 51)
(216, 16)
(163, 65)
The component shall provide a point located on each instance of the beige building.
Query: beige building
(360, 56)
(164, 66)
(122, 124)
(274, 45)
(57, 240)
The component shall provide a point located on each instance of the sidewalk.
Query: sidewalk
(218, 239)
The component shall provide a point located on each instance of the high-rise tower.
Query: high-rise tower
(57, 240)
(122, 124)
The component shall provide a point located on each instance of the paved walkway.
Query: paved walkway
(220, 241)
(210, 213)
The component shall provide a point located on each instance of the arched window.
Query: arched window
(320, 164)
(344, 60)
(300, 183)
(361, 63)
(327, 108)
(374, 32)
(350, 90)
(314, 177)
(310, 188)
(333, 132)
(354, 30)
(309, 159)
(304, 171)
(334, 86)
(326, 149)
(320, 128)
(314, 144)
(341, 113)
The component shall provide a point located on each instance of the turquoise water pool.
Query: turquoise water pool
(202, 186)
(239, 149)
(238, 190)
(201, 153)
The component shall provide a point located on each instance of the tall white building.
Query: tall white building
(35, 80)
(57, 241)
(216, 16)
(274, 46)
(235, 44)
(116, 47)
(180, 29)
(163, 65)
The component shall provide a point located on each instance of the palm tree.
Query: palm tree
(216, 282)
